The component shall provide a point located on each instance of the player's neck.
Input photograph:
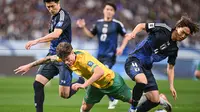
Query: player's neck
(57, 11)
(107, 19)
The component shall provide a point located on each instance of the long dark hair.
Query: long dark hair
(187, 22)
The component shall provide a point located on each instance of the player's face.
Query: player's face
(52, 7)
(70, 59)
(109, 11)
(180, 33)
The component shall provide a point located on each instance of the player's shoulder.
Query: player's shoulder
(100, 21)
(63, 14)
(118, 22)
(161, 25)
(81, 52)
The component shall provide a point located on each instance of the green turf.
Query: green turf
(16, 95)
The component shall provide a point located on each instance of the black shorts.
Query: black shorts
(107, 61)
(134, 67)
(51, 69)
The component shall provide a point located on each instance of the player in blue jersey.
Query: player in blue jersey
(107, 30)
(59, 31)
(161, 43)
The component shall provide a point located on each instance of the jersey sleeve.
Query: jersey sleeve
(149, 27)
(58, 59)
(172, 57)
(121, 29)
(64, 21)
(93, 30)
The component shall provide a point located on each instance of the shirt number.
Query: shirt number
(135, 66)
(103, 37)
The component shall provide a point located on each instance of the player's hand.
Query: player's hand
(130, 35)
(30, 43)
(81, 23)
(22, 69)
(173, 91)
(119, 51)
(78, 86)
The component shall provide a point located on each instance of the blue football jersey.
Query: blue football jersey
(107, 33)
(157, 46)
(62, 21)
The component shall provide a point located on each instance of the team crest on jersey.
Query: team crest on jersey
(59, 24)
(90, 63)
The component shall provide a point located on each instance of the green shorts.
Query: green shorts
(119, 90)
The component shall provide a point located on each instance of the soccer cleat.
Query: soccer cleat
(165, 103)
(132, 109)
(112, 104)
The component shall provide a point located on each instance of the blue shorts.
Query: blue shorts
(51, 69)
(134, 67)
(107, 61)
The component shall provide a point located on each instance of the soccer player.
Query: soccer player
(59, 31)
(197, 71)
(160, 44)
(107, 30)
(100, 79)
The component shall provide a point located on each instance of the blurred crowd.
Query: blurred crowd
(29, 19)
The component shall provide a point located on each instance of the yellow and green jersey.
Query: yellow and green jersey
(84, 66)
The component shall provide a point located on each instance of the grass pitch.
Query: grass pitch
(16, 95)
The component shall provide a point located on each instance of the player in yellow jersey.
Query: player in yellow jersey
(100, 79)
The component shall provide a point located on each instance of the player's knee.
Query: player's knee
(155, 99)
(85, 107)
(141, 78)
(37, 85)
(64, 95)
(64, 92)
(197, 74)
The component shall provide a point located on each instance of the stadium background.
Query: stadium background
(23, 20)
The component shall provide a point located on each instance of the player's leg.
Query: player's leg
(163, 102)
(197, 71)
(45, 73)
(135, 72)
(152, 93)
(65, 79)
(109, 62)
(119, 90)
(93, 96)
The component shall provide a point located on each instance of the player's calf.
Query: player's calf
(86, 107)
(39, 96)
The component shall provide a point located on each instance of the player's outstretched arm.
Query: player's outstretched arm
(137, 29)
(81, 24)
(98, 73)
(129, 36)
(170, 72)
(25, 68)
(123, 45)
(51, 36)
